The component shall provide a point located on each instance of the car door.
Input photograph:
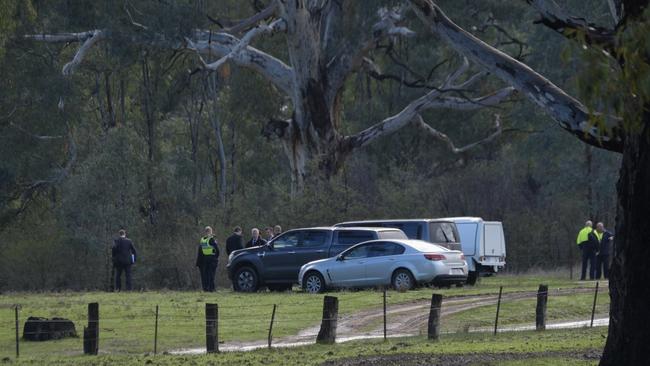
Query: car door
(279, 258)
(312, 246)
(349, 269)
(381, 257)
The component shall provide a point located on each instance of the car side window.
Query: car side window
(384, 249)
(442, 232)
(287, 240)
(314, 238)
(357, 252)
(351, 237)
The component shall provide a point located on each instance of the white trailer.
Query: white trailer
(483, 244)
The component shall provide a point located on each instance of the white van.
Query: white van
(482, 243)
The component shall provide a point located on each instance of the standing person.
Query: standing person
(256, 240)
(269, 233)
(234, 241)
(588, 251)
(604, 251)
(123, 254)
(277, 230)
(207, 259)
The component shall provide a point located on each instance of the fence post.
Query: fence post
(155, 334)
(496, 319)
(211, 328)
(271, 325)
(593, 308)
(384, 314)
(540, 310)
(327, 333)
(433, 329)
(91, 332)
(17, 334)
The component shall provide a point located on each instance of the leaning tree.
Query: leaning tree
(626, 53)
(321, 50)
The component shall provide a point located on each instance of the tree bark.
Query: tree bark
(629, 283)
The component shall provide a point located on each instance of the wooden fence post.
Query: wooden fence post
(327, 333)
(433, 329)
(593, 308)
(496, 319)
(271, 325)
(384, 314)
(17, 334)
(155, 334)
(211, 328)
(540, 310)
(91, 332)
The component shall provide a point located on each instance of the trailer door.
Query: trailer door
(493, 240)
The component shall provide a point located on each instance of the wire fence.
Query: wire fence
(298, 319)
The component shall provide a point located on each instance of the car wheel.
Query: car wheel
(402, 280)
(279, 288)
(313, 283)
(245, 280)
(472, 277)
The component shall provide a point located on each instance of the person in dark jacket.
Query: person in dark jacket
(268, 232)
(604, 251)
(123, 254)
(256, 240)
(235, 241)
(207, 259)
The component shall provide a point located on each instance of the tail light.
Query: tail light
(434, 257)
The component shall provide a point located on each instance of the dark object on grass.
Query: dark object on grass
(43, 329)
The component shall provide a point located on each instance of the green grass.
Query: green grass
(521, 345)
(127, 319)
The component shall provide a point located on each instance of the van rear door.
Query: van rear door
(494, 247)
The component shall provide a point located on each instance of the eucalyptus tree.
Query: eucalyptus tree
(621, 67)
(324, 43)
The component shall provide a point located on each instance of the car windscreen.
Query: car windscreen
(443, 232)
(392, 234)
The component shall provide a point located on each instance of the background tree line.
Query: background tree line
(142, 138)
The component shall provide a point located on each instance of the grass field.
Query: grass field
(559, 347)
(127, 319)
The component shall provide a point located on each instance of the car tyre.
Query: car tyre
(313, 283)
(403, 280)
(245, 280)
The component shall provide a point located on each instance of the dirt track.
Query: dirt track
(404, 320)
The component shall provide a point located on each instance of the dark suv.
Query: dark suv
(276, 264)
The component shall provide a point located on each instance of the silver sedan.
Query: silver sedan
(399, 263)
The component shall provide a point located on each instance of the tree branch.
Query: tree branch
(419, 122)
(88, 38)
(350, 58)
(555, 18)
(572, 115)
(433, 99)
(275, 26)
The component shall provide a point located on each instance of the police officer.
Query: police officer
(207, 259)
(588, 249)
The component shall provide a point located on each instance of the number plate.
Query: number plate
(457, 271)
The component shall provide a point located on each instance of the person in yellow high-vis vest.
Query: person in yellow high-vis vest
(588, 249)
(207, 259)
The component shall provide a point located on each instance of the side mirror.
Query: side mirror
(340, 257)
